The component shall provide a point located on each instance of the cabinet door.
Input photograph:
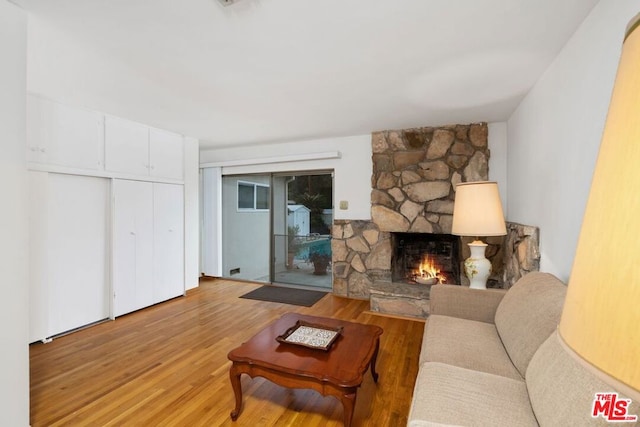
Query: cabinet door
(39, 123)
(166, 154)
(132, 245)
(64, 136)
(77, 138)
(168, 241)
(126, 146)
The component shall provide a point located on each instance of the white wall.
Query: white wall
(498, 160)
(352, 171)
(14, 315)
(555, 133)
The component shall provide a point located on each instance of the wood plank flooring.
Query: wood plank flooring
(167, 366)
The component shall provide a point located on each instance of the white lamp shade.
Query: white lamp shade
(477, 210)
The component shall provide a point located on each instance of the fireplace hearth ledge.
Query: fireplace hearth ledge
(400, 298)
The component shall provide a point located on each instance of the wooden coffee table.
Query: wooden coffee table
(337, 372)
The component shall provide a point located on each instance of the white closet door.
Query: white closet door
(168, 238)
(132, 245)
(77, 251)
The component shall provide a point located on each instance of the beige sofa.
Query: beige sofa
(493, 358)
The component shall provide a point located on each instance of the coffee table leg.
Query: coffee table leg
(234, 375)
(348, 403)
(374, 374)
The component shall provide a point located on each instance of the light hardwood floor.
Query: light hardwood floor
(167, 366)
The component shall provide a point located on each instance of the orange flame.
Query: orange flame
(429, 269)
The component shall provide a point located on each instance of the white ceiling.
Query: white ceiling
(279, 70)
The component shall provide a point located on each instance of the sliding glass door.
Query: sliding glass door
(276, 228)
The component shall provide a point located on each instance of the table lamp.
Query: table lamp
(601, 316)
(477, 211)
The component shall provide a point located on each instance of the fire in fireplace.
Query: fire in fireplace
(425, 258)
(428, 272)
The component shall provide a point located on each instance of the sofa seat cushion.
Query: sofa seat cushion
(467, 344)
(446, 395)
(529, 312)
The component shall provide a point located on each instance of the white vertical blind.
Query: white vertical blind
(211, 237)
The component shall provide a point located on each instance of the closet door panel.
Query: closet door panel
(77, 225)
(132, 245)
(168, 269)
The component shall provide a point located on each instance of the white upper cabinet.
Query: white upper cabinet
(166, 154)
(64, 136)
(136, 149)
(127, 146)
(71, 140)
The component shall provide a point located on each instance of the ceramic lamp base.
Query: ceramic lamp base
(477, 267)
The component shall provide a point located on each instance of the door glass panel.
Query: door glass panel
(302, 219)
(246, 231)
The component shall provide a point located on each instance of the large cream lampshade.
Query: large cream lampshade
(601, 317)
(477, 211)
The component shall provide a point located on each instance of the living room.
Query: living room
(543, 152)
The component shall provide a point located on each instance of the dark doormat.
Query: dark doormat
(285, 295)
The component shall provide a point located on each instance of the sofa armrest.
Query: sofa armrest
(466, 303)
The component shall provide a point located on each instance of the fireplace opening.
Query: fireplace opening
(424, 258)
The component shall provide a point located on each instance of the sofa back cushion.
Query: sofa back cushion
(562, 391)
(528, 314)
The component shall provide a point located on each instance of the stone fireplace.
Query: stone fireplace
(414, 174)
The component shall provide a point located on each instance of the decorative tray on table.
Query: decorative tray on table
(310, 335)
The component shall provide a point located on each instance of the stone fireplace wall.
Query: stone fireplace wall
(521, 252)
(415, 172)
(361, 256)
(414, 176)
